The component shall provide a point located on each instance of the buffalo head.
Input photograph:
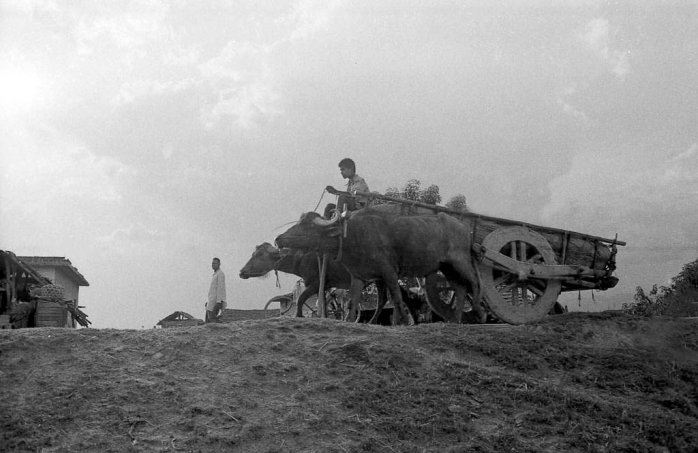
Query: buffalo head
(262, 261)
(312, 232)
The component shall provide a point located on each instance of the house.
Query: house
(16, 278)
(179, 319)
(60, 271)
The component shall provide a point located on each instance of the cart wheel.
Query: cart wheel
(444, 306)
(513, 299)
(310, 308)
(285, 304)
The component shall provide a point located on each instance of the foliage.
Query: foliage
(413, 191)
(651, 304)
(686, 279)
(457, 203)
(678, 299)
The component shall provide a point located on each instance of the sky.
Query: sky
(139, 139)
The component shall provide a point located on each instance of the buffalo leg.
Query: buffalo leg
(391, 282)
(354, 299)
(307, 292)
(467, 275)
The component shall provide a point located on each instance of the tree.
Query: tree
(686, 279)
(457, 203)
(413, 191)
(678, 299)
(430, 195)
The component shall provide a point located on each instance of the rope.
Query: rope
(322, 195)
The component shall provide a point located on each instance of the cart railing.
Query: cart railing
(472, 215)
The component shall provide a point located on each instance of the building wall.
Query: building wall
(60, 277)
(48, 272)
(71, 289)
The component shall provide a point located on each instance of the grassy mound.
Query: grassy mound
(574, 382)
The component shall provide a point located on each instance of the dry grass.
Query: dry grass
(575, 382)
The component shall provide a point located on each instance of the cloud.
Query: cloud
(44, 162)
(130, 239)
(47, 177)
(311, 16)
(242, 84)
(598, 35)
(132, 27)
(563, 100)
(636, 194)
(132, 91)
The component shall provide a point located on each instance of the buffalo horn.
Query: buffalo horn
(322, 222)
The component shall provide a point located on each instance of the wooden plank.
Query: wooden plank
(322, 303)
(541, 271)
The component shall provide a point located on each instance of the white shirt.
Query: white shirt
(217, 291)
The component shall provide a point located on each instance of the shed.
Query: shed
(179, 319)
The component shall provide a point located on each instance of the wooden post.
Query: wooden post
(322, 303)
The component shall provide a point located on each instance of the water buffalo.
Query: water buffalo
(267, 258)
(375, 245)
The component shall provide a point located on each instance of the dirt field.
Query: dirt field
(575, 382)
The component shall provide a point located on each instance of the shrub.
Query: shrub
(678, 299)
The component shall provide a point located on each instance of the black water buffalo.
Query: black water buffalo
(304, 264)
(267, 258)
(375, 245)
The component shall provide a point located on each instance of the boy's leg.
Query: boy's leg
(346, 203)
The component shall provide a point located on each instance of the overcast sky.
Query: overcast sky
(140, 139)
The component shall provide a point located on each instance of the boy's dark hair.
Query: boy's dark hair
(216, 259)
(348, 163)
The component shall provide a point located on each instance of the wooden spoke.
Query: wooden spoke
(504, 278)
(536, 291)
(509, 287)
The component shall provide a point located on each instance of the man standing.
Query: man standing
(216, 293)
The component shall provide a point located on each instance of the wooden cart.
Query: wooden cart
(524, 267)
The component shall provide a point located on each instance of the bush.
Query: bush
(678, 299)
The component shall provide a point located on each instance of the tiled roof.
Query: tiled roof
(177, 316)
(56, 261)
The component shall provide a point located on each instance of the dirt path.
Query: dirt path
(576, 382)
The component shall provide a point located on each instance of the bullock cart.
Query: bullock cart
(523, 267)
